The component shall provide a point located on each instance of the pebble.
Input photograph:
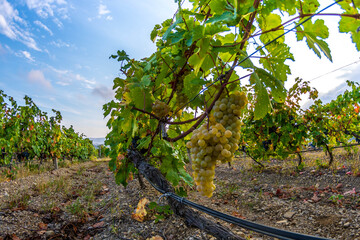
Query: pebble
(289, 214)
(347, 224)
(282, 221)
(49, 233)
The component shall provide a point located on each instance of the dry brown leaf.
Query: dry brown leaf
(43, 226)
(14, 237)
(56, 209)
(98, 225)
(157, 237)
(140, 212)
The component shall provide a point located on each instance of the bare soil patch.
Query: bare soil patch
(84, 202)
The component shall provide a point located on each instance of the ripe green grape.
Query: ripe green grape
(216, 141)
(160, 109)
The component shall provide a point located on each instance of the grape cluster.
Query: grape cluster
(160, 109)
(181, 98)
(216, 140)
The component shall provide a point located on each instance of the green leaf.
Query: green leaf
(275, 60)
(262, 104)
(123, 174)
(351, 25)
(197, 59)
(172, 176)
(310, 6)
(146, 80)
(318, 28)
(270, 22)
(140, 96)
(192, 85)
(278, 90)
(168, 31)
(225, 17)
(154, 32)
(212, 29)
(218, 6)
(144, 143)
(321, 45)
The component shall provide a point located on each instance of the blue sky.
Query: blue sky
(57, 52)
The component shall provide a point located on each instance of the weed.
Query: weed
(227, 190)
(160, 211)
(77, 209)
(21, 201)
(81, 170)
(336, 199)
(41, 187)
(113, 229)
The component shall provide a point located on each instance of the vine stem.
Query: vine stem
(146, 112)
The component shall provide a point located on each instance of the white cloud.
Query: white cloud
(66, 78)
(45, 8)
(59, 43)
(43, 26)
(27, 55)
(103, 10)
(37, 77)
(88, 83)
(13, 26)
(50, 9)
(58, 23)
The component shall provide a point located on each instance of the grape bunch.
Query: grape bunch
(181, 98)
(216, 140)
(160, 109)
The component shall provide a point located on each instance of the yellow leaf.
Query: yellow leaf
(157, 237)
(140, 212)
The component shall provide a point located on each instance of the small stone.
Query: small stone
(289, 214)
(282, 221)
(241, 234)
(49, 233)
(347, 224)
(339, 186)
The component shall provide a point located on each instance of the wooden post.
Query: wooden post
(55, 163)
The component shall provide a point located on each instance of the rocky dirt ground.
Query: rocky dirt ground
(84, 202)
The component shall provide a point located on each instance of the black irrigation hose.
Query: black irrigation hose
(266, 230)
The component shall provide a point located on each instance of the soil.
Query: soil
(84, 202)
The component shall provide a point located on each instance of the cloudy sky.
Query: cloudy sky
(57, 52)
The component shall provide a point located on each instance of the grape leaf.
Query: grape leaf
(278, 90)
(262, 103)
(270, 22)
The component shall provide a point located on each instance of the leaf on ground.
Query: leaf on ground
(315, 198)
(14, 237)
(99, 224)
(157, 237)
(238, 215)
(56, 209)
(43, 226)
(140, 212)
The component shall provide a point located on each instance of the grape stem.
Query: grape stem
(146, 112)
